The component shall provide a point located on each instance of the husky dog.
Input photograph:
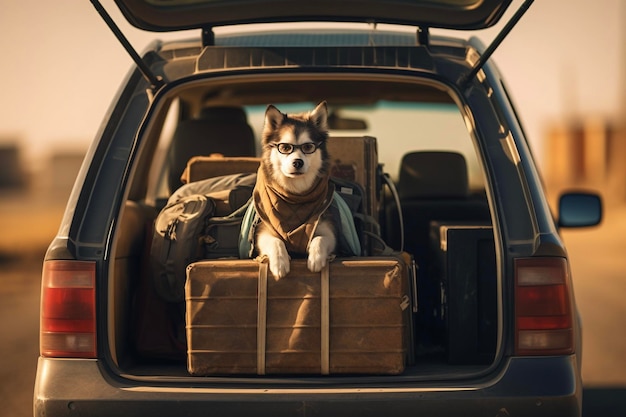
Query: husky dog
(292, 192)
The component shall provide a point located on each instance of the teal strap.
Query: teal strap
(246, 239)
(347, 226)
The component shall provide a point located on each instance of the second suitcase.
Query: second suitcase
(351, 318)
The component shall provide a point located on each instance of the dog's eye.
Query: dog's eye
(308, 147)
(285, 148)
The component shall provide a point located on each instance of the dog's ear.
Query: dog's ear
(319, 116)
(273, 118)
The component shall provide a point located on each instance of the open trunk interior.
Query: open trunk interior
(443, 221)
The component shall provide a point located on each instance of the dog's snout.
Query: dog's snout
(298, 163)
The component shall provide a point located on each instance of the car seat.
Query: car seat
(432, 186)
(223, 130)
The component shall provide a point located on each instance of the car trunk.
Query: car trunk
(452, 319)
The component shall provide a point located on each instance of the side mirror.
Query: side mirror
(579, 209)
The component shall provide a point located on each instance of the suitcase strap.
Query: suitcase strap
(262, 318)
(325, 316)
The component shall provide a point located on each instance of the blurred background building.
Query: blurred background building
(589, 153)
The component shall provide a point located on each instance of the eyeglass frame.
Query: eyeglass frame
(277, 145)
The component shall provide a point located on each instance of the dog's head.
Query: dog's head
(294, 147)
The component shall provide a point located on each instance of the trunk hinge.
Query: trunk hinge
(464, 81)
(156, 81)
(423, 36)
(208, 37)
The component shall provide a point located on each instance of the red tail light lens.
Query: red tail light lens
(543, 312)
(68, 309)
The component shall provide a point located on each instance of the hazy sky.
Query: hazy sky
(61, 66)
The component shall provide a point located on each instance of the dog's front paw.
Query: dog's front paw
(318, 255)
(279, 261)
(316, 263)
(279, 269)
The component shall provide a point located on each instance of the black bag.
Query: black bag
(367, 227)
(221, 235)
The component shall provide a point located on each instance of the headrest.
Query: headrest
(433, 174)
(223, 130)
(224, 114)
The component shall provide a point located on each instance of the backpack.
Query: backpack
(201, 220)
(175, 243)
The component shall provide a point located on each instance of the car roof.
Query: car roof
(174, 15)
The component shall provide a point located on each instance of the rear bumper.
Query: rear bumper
(526, 386)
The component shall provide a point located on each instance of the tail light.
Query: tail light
(68, 309)
(543, 310)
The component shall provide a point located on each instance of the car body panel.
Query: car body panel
(156, 15)
(556, 393)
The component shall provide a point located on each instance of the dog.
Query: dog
(292, 193)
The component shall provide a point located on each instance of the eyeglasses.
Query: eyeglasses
(287, 148)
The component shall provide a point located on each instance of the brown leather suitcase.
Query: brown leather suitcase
(350, 318)
(215, 165)
(356, 159)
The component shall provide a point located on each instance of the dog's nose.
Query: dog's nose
(298, 163)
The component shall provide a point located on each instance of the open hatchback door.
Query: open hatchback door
(165, 16)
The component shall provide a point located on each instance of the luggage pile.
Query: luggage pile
(353, 317)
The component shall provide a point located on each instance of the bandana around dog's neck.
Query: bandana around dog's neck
(293, 218)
